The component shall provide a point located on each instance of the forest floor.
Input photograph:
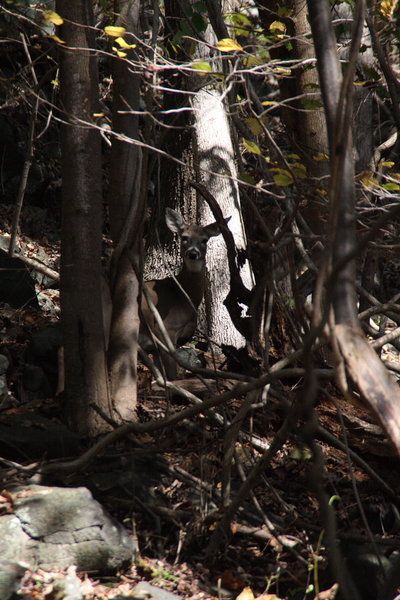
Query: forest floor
(166, 489)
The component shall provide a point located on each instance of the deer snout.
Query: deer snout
(193, 253)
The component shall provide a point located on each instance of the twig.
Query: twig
(223, 531)
(28, 159)
(39, 266)
(386, 339)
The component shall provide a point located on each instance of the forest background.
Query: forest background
(285, 117)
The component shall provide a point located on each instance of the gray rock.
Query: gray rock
(146, 591)
(58, 527)
(47, 305)
(189, 357)
(3, 387)
(4, 364)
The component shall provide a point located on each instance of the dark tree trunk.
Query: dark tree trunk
(84, 342)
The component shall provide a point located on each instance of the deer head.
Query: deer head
(193, 240)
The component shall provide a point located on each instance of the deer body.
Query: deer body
(177, 298)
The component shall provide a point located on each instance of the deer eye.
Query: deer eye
(185, 239)
(204, 241)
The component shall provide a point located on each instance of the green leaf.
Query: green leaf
(251, 146)
(200, 7)
(246, 178)
(241, 23)
(205, 67)
(282, 177)
(391, 186)
(254, 125)
(299, 170)
(252, 61)
(311, 104)
(198, 22)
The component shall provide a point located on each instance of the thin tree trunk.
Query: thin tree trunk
(84, 344)
(362, 364)
(126, 221)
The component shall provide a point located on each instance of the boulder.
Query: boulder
(54, 528)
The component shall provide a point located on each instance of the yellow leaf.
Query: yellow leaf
(123, 44)
(228, 45)
(285, 72)
(56, 39)
(386, 163)
(55, 83)
(98, 114)
(368, 180)
(119, 52)
(246, 594)
(270, 103)
(277, 27)
(52, 17)
(251, 147)
(321, 156)
(278, 170)
(113, 31)
(388, 7)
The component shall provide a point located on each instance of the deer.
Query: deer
(176, 299)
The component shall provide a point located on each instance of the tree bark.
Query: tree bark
(304, 120)
(82, 322)
(126, 222)
(216, 169)
(362, 364)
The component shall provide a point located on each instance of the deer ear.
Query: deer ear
(213, 229)
(174, 220)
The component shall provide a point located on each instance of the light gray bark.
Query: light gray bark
(217, 171)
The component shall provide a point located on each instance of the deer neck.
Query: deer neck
(191, 278)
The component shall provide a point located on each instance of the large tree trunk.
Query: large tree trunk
(84, 342)
(126, 221)
(216, 169)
